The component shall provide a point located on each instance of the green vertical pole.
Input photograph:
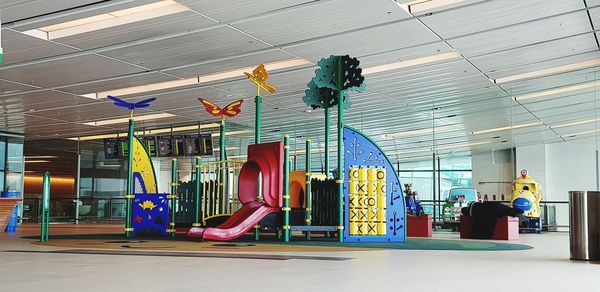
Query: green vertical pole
(45, 207)
(308, 195)
(222, 145)
(199, 191)
(286, 188)
(340, 151)
(327, 146)
(258, 101)
(327, 120)
(129, 196)
(173, 196)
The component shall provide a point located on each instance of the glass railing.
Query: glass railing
(91, 210)
(555, 214)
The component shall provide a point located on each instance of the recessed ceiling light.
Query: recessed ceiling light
(411, 62)
(159, 131)
(40, 157)
(195, 80)
(507, 128)
(228, 149)
(548, 71)
(107, 20)
(444, 147)
(148, 132)
(420, 6)
(579, 134)
(125, 120)
(427, 131)
(557, 90)
(575, 123)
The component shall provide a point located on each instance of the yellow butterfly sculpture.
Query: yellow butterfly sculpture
(260, 76)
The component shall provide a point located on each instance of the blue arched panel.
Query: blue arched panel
(374, 201)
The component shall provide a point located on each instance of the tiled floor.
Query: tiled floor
(544, 268)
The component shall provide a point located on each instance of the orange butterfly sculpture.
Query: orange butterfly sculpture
(231, 110)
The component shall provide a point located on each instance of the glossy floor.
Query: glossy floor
(544, 268)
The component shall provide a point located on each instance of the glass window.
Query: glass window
(455, 172)
(2, 153)
(1, 180)
(15, 154)
(14, 182)
(421, 183)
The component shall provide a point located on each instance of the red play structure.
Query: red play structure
(266, 158)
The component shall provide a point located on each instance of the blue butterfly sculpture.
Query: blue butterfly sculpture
(132, 105)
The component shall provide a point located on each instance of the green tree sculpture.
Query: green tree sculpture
(323, 97)
(335, 75)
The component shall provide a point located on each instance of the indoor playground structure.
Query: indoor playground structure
(363, 202)
(366, 204)
(527, 196)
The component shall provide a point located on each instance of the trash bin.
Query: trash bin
(12, 223)
(584, 225)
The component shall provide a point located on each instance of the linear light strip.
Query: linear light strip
(558, 90)
(411, 62)
(507, 128)
(148, 132)
(107, 20)
(418, 6)
(125, 120)
(41, 157)
(548, 71)
(578, 134)
(440, 148)
(195, 80)
(440, 129)
(576, 123)
(422, 157)
(270, 66)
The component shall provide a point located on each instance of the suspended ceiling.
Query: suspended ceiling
(42, 82)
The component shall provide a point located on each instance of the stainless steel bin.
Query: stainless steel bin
(584, 225)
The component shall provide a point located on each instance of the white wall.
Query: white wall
(533, 159)
(570, 166)
(560, 167)
(493, 173)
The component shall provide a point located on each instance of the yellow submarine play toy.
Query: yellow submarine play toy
(527, 197)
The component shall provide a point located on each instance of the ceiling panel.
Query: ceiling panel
(19, 47)
(125, 81)
(523, 34)
(238, 9)
(41, 80)
(42, 100)
(526, 68)
(487, 15)
(189, 49)
(328, 18)
(175, 23)
(229, 63)
(68, 71)
(365, 41)
(13, 10)
(537, 53)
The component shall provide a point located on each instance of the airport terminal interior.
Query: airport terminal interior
(300, 145)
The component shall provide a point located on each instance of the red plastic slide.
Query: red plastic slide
(262, 158)
(237, 225)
